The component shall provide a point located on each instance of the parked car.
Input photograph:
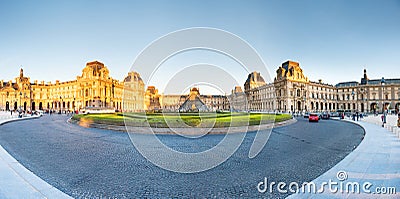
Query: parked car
(325, 116)
(313, 118)
(306, 115)
(334, 114)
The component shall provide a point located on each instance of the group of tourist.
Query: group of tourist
(66, 112)
(398, 120)
(357, 116)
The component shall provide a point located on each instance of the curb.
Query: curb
(352, 122)
(19, 119)
(28, 185)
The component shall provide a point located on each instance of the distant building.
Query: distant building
(237, 99)
(152, 99)
(370, 95)
(173, 102)
(93, 89)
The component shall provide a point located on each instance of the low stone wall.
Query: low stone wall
(184, 131)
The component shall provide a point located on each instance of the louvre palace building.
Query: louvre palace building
(291, 91)
(93, 89)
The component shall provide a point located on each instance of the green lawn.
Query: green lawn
(183, 119)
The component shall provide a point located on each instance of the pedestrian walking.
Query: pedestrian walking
(398, 120)
(383, 117)
(357, 115)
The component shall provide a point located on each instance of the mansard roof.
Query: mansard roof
(369, 82)
(255, 77)
(387, 81)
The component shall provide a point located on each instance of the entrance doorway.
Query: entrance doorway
(373, 107)
(24, 106)
(40, 106)
(386, 106)
(15, 106)
(33, 106)
(362, 107)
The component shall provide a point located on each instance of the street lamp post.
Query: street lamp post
(352, 99)
(383, 90)
(105, 102)
(2, 101)
(294, 98)
(304, 96)
(365, 98)
(20, 95)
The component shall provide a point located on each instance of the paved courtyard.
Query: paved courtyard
(100, 163)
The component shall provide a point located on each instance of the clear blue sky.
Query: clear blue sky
(332, 40)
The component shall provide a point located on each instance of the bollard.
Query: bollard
(398, 132)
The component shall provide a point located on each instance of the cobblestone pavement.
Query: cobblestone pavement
(96, 163)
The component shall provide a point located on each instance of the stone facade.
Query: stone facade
(292, 91)
(370, 95)
(93, 89)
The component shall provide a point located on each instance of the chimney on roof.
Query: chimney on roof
(320, 81)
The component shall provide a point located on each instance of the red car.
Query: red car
(313, 118)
